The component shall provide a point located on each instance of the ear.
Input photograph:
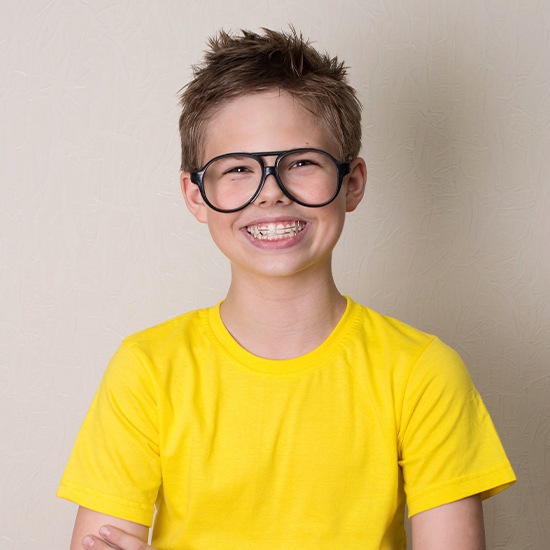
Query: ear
(356, 182)
(193, 199)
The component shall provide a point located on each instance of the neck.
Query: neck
(299, 312)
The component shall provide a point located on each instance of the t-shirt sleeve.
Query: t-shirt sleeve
(449, 448)
(114, 467)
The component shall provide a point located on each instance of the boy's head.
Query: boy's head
(238, 65)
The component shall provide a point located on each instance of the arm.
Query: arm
(454, 526)
(88, 523)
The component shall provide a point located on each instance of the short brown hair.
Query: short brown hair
(236, 65)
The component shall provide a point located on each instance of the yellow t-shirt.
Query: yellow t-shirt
(317, 452)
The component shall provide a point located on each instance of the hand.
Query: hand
(111, 537)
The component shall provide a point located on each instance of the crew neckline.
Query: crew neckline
(300, 364)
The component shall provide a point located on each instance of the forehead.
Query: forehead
(265, 121)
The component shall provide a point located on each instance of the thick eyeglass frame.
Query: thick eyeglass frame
(197, 177)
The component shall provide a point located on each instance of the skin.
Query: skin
(90, 532)
(454, 526)
(292, 281)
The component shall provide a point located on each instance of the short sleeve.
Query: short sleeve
(449, 448)
(114, 467)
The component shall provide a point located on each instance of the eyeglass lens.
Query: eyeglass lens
(310, 177)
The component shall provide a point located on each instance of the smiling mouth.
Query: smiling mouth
(276, 231)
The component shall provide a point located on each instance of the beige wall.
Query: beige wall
(453, 235)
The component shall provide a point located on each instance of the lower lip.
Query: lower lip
(277, 244)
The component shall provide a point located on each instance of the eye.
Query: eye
(237, 170)
(303, 163)
(303, 160)
(235, 167)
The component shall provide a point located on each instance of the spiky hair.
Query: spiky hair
(236, 65)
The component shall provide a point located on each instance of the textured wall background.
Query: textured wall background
(453, 235)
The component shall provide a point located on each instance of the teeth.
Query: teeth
(276, 231)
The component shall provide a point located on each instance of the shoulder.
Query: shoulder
(169, 328)
(172, 332)
(408, 354)
(385, 334)
(385, 329)
(152, 351)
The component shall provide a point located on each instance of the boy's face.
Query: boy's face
(273, 121)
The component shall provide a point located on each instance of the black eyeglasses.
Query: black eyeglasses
(309, 177)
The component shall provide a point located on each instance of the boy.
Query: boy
(287, 416)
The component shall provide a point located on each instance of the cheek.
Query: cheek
(337, 214)
(222, 229)
(336, 223)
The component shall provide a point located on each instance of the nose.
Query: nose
(271, 192)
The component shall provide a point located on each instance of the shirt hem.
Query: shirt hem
(110, 505)
(485, 485)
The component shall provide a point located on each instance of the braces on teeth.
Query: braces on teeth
(275, 231)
